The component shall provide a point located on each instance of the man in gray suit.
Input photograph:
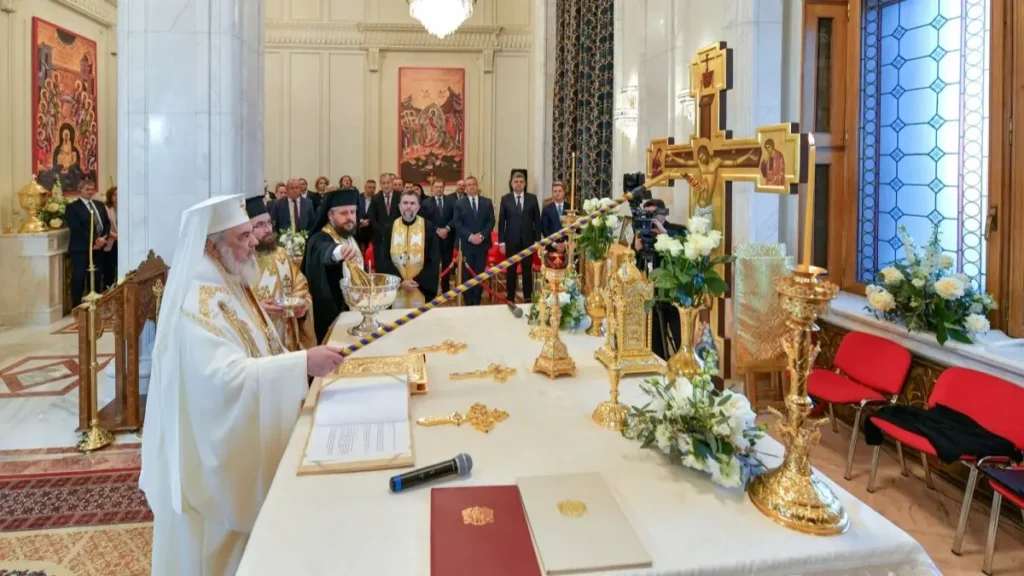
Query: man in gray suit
(293, 211)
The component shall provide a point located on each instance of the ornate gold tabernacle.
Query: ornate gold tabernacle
(627, 346)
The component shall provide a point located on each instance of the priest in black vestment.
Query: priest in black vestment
(409, 250)
(331, 245)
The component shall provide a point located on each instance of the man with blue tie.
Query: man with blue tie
(551, 218)
(444, 208)
(474, 221)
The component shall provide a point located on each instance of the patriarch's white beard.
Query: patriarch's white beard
(247, 269)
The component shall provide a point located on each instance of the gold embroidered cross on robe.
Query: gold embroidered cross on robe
(408, 248)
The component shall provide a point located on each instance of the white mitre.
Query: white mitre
(162, 438)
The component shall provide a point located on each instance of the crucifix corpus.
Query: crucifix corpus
(774, 160)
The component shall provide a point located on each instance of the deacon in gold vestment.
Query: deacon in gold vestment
(409, 250)
(277, 272)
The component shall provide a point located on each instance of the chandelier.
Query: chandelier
(441, 17)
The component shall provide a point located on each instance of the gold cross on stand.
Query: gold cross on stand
(496, 371)
(775, 160)
(450, 347)
(478, 416)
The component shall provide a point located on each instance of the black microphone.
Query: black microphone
(515, 310)
(461, 465)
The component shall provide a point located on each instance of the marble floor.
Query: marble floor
(39, 407)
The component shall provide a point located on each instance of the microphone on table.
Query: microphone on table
(515, 310)
(461, 465)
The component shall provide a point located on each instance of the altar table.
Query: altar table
(349, 524)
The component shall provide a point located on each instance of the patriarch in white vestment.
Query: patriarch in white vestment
(223, 399)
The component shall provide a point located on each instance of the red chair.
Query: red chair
(992, 402)
(998, 493)
(870, 371)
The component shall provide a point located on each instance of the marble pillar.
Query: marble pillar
(190, 114)
(627, 149)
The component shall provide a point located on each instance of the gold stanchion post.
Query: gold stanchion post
(95, 437)
(458, 277)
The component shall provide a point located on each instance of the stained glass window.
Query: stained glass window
(924, 130)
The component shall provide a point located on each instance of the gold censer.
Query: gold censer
(554, 359)
(792, 494)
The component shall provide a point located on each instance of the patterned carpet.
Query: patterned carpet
(71, 499)
(69, 514)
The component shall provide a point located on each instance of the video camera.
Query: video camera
(643, 228)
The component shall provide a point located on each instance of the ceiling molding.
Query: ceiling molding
(381, 36)
(102, 11)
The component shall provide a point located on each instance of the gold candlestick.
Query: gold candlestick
(808, 251)
(554, 359)
(792, 494)
(541, 330)
(572, 186)
(96, 436)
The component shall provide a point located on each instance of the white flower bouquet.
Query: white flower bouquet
(597, 235)
(52, 212)
(686, 274)
(571, 301)
(925, 294)
(293, 242)
(700, 428)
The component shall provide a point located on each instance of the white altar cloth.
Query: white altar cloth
(349, 524)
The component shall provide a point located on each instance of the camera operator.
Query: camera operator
(658, 214)
(666, 319)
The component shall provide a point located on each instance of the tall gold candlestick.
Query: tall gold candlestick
(808, 251)
(92, 264)
(572, 185)
(792, 494)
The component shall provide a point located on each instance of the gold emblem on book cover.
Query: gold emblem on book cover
(572, 508)
(477, 516)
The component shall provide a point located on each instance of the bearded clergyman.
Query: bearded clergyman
(331, 252)
(409, 250)
(278, 274)
(223, 398)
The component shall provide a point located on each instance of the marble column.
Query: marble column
(190, 114)
(628, 150)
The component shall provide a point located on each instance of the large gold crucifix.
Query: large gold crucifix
(774, 160)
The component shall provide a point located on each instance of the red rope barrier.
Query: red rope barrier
(449, 269)
(487, 289)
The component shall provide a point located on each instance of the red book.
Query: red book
(480, 530)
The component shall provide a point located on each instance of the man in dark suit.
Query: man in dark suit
(518, 227)
(80, 215)
(474, 221)
(428, 210)
(292, 212)
(364, 228)
(551, 217)
(444, 208)
(384, 207)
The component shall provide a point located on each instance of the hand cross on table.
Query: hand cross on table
(450, 347)
(496, 371)
(478, 416)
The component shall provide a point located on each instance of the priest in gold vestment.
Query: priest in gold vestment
(223, 398)
(409, 250)
(330, 251)
(278, 272)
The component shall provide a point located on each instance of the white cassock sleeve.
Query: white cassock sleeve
(240, 413)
